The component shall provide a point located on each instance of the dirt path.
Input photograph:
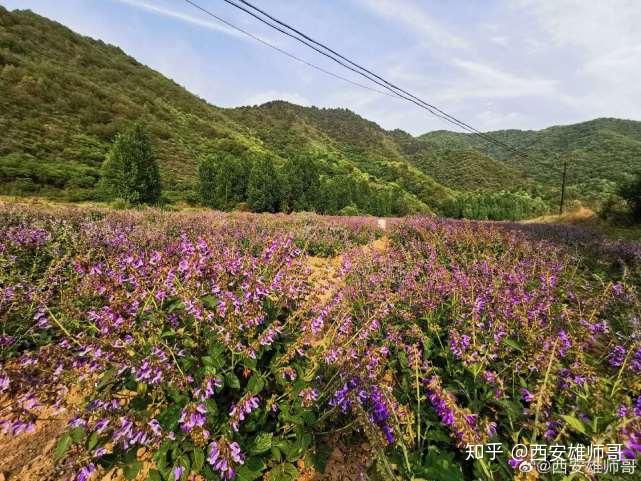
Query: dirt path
(346, 462)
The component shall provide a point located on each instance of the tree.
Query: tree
(631, 193)
(223, 178)
(263, 193)
(130, 171)
(301, 183)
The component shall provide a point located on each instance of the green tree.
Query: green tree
(301, 179)
(631, 194)
(130, 171)
(223, 177)
(263, 193)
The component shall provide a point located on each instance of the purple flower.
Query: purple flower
(177, 472)
(85, 472)
(192, 416)
(244, 407)
(155, 427)
(223, 456)
(617, 356)
(101, 425)
(309, 396)
(528, 397)
(566, 343)
(4, 382)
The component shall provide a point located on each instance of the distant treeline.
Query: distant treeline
(501, 205)
(234, 176)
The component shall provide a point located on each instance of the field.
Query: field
(145, 344)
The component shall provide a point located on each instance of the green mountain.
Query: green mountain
(600, 153)
(64, 97)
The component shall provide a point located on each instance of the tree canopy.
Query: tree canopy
(130, 171)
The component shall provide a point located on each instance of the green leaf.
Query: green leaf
(442, 467)
(283, 472)
(92, 441)
(154, 475)
(574, 423)
(160, 457)
(256, 384)
(232, 381)
(174, 305)
(168, 419)
(62, 447)
(77, 434)
(319, 457)
(513, 344)
(131, 470)
(106, 378)
(251, 470)
(275, 453)
(262, 443)
(211, 302)
(198, 460)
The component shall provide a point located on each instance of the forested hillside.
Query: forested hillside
(600, 153)
(65, 97)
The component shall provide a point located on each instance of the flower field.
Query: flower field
(192, 346)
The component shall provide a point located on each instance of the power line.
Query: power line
(396, 94)
(331, 57)
(289, 54)
(362, 71)
(366, 73)
(351, 62)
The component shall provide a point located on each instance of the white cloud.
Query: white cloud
(593, 26)
(183, 17)
(489, 82)
(417, 19)
(599, 44)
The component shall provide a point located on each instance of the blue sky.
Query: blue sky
(494, 63)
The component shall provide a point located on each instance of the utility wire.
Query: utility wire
(366, 72)
(338, 61)
(369, 75)
(395, 94)
(289, 54)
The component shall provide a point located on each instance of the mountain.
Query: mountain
(600, 153)
(64, 97)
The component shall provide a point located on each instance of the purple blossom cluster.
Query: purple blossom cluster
(242, 409)
(162, 320)
(225, 456)
(369, 398)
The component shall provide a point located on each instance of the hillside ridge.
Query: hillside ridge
(65, 96)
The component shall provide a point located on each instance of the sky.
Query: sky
(494, 64)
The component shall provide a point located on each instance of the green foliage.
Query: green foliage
(631, 194)
(224, 175)
(600, 153)
(65, 97)
(301, 184)
(497, 206)
(130, 171)
(263, 192)
(343, 144)
(24, 174)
